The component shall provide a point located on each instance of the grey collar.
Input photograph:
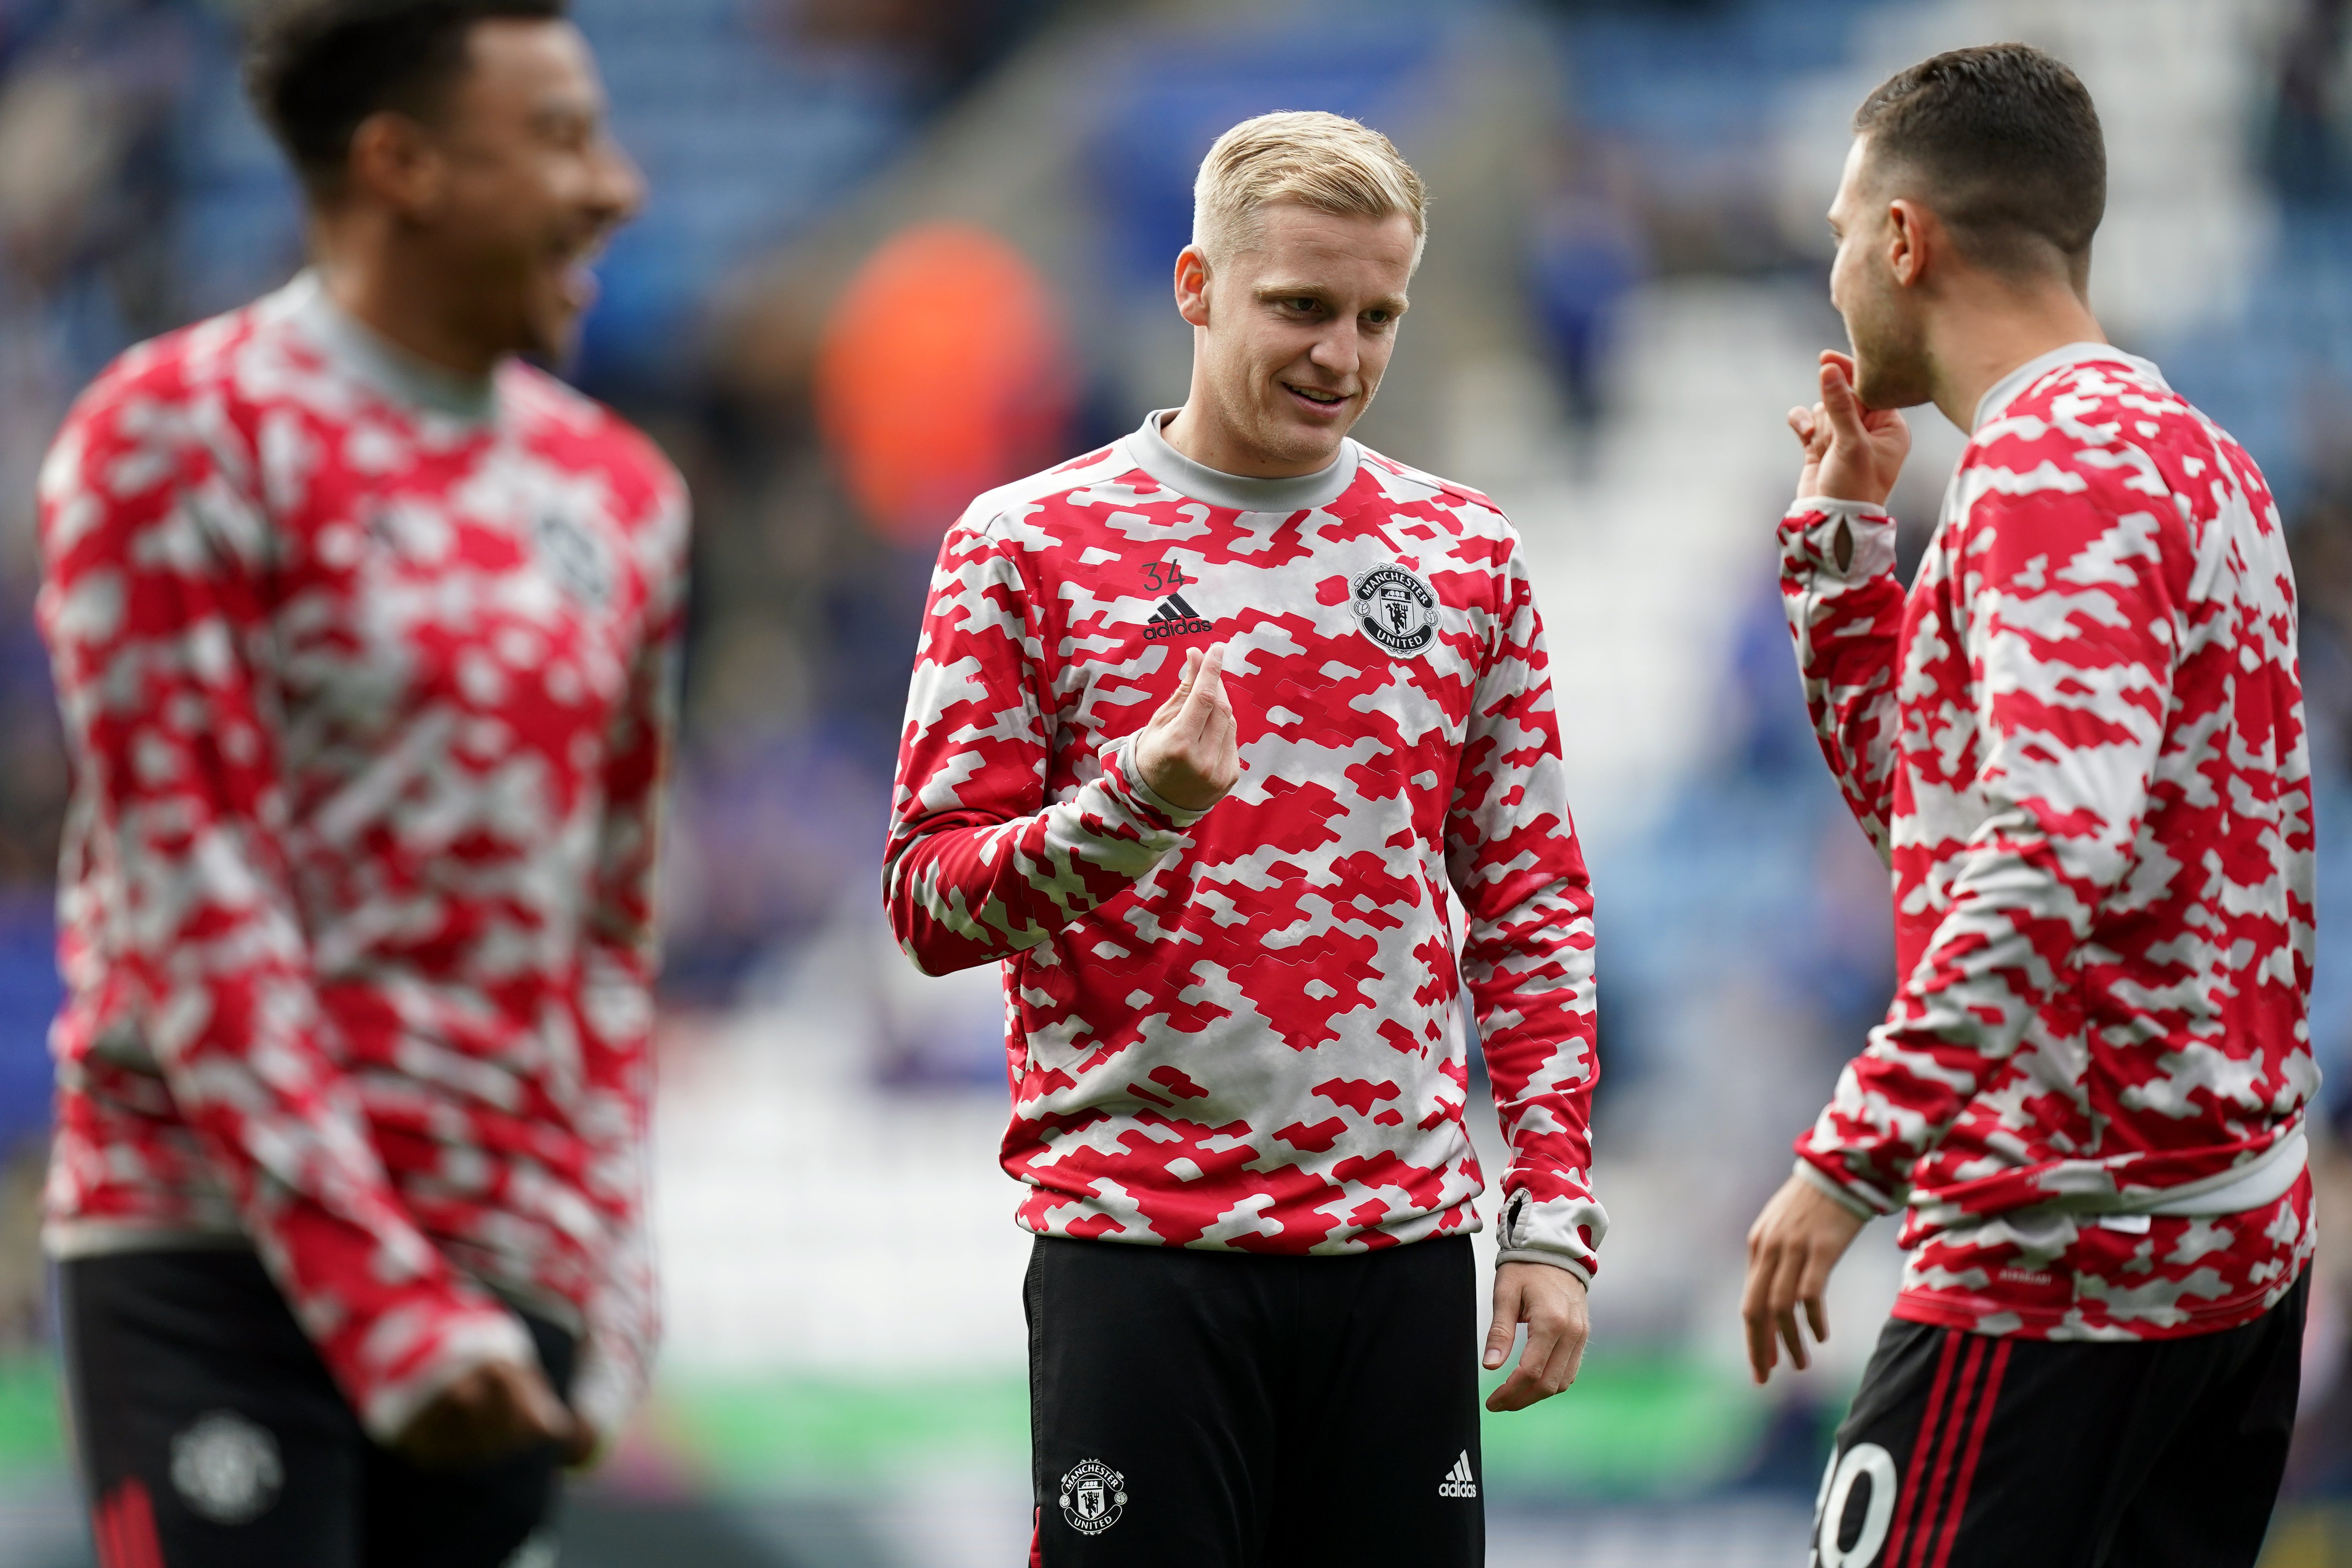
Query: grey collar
(361, 351)
(2004, 391)
(1150, 452)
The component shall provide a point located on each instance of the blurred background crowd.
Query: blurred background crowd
(900, 250)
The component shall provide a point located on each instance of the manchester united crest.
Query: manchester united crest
(225, 1467)
(1093, 1495)
(576, 557)
(1395, 609)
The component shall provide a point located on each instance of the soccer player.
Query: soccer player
(1203, 726)
(2078, 742)
(362, 630)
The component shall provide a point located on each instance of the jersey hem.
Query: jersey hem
(2000, 1320)
(63, 1239)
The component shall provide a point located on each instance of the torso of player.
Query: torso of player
(446, 611)
(1282, 989)
(2181, 1026)
(455, 637)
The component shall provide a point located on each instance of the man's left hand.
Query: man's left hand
(584, 1448)
(1551, 1302)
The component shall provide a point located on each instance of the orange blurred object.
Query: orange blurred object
(942, 371)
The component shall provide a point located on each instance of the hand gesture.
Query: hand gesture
(1550, 1301)
(1852, 453)
(498, 1409)
(1188, 753)
(1792, 1248)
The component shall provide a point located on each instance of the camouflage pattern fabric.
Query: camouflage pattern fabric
(368, 705)
(1237, 1029)
(2078, 742)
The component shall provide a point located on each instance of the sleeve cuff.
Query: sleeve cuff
(1857, 1200)
(604, 1393)
(1838, 505)
(1808, 537)
(1125, 779)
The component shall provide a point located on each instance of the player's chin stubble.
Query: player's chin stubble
(1890, 356)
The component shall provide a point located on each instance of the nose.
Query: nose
(1335, 350)
(619, 189)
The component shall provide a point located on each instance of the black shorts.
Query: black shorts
(1964, 1451)
(211, 1435)
(1230, 1410)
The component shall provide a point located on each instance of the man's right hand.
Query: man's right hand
(1852, 453)
(1792, 1248)
(495, 1410)
(1188, 753)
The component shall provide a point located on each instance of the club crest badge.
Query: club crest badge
(1093, 1497)
(225, 1467)
(1395, 609)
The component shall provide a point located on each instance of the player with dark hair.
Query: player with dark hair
(362, 630)
(2078, 742)
(1203, 726)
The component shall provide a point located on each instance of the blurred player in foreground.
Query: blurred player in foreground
(362, 630)
(2078, 741)
(1203, 726)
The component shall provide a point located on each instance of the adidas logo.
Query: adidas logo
(1459, 1481)
(1175, 618)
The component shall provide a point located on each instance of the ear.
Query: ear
(1912, 239)
(395, 162)
(1192, 286)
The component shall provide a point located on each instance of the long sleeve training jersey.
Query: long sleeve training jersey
(2078, 741)
(364, 672)
(1235, 1029)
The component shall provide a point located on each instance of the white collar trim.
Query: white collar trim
(2006, 391)
(1151, 451)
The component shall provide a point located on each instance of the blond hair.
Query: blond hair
(1327, 162)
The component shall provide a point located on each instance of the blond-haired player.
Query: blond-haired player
(1203, 726)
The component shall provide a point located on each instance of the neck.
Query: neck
(377, 276)
(1992, 330)
(1202, 432)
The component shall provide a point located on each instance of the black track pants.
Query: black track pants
(1964, 1451)
(212, 1437)
(1224, 1410)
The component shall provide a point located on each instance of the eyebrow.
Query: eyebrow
(559, 106)
(1394, 304)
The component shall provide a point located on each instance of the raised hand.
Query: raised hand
(1188, 751)
(1852, 453)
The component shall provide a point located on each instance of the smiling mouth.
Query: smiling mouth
(1317, 395)
(575, 272)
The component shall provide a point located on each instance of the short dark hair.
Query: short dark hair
(317, 68)
(2009, 144)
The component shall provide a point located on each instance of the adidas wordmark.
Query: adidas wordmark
(1459, 1481)
(1176, 618)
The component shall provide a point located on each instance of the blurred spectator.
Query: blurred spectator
(1586, 252)
(950, 41)
(941, 375)
(2322, 540)
(2309, 153)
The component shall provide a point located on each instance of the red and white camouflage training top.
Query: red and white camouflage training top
(365, 674)
(2078, 741)
(1237, 1029)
